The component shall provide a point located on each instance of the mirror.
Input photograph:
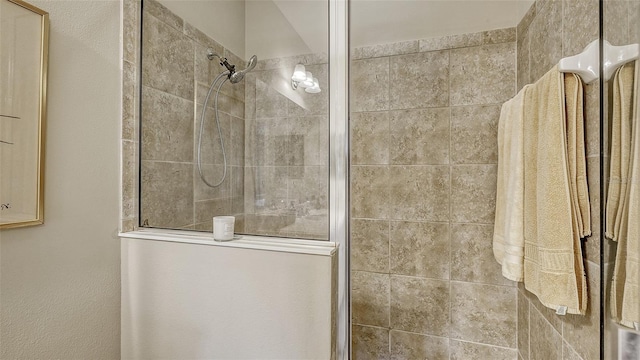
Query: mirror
(23, 74)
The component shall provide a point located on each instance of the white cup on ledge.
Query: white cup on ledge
(223, 228)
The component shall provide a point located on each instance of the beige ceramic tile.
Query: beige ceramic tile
(309, 141)
(205, 210)
(250, 96)
(370, 138)
(568, 353)
(370, 245)
(419, 249)
(166, 194)
(473, 193)
(419, 80)
(591, 248)
(236, 141)
(583, 332)
(592, 120)
(129, 95)
(163, 14)
(483, 74)
(212, 174)
(461, 350)
(418, 193)
(523, 325)
(370, 84)
(269, 102)
(616, 26)
(474, 134)
(483, 38)
(549, 314)
(419, 137)
(523, 59)
(545, 341)
(129, 172)
(369, 343)
(167, 127)
(374, 51)
(435, 43)
(210, 145)
(472, 256)
(370, 298)
(546, 39)
(267, 142)
(167, 57)
(580, 25)
(526, 20)
(484, 313)
(420, 305)
(131, 30)
(370, 192)
(406, 345)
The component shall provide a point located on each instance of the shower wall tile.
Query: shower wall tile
(167, 196)
(213, 175)
(168, 59)
(130, 31)
(466, 40)
(211, 146)
(418, 193)
(420, 305)
(419, 137)
(474, 134)
(236, 139)
(370, 245)
(419, 80)
(580, 24)
(592, 120)
(473, 193)
(526, 20)
(309, 184)
(370, 84)
(616, 31)
(419, 249)
(547, 313)
(546, 39)
(374, 51)
(129, 86)
(461, 350)
(579, 331)
(523, 325)
(406, 345)
(484, 313)
(370, 192)
(207, 209)
(472, 258)
(545, 341)
(483, 74)
(370, 298)
(129, 194)
(310, 134)
(370, 138)
(269, 103)
(268, 142)
(591, 248)
(163, 14)
(523, 55)
(231, 106)
(369, 343)
(204, 42)
(167, 129)
(568, 353)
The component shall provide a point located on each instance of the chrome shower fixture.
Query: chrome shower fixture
(234, 76)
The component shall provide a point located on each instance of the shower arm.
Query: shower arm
(223, 61)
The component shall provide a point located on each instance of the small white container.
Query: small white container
(223, 228)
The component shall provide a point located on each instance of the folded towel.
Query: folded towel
(574, 100)
(625, 292)
(553, 267)
(508, 233)
(620, 148)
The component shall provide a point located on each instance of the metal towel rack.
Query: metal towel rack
(586, 63)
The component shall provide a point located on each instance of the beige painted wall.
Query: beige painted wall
(60, 282)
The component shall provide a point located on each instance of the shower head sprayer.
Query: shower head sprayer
(237, 76)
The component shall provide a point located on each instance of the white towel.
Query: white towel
(508, 233)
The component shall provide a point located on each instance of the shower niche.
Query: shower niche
(259, 150)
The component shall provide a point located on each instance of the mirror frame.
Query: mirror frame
(38, 218)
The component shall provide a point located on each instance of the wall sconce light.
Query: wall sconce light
(304, 79)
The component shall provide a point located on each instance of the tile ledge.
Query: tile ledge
(298, 246)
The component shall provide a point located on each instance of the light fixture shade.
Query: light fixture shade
(315, 88)
(308, 82)
(299, 74)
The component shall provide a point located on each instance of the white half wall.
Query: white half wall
(60, 282)
(194, 301)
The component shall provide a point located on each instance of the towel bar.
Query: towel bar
(586, 64)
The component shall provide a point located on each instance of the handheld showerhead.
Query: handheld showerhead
(237, 76)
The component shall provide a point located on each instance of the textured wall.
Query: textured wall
(60, 282)
(548, 32)
(176, 74)
(423, 169)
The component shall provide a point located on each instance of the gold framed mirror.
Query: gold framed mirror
(24, 39)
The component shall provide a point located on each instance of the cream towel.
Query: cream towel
(620, 148)
(553, 267)
(508, 232)
(574, 100)
(625, 292)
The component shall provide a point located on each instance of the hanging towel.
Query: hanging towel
(574, 101)
(620, 148)
(625, 292)
(553, 267)
(508, 233)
